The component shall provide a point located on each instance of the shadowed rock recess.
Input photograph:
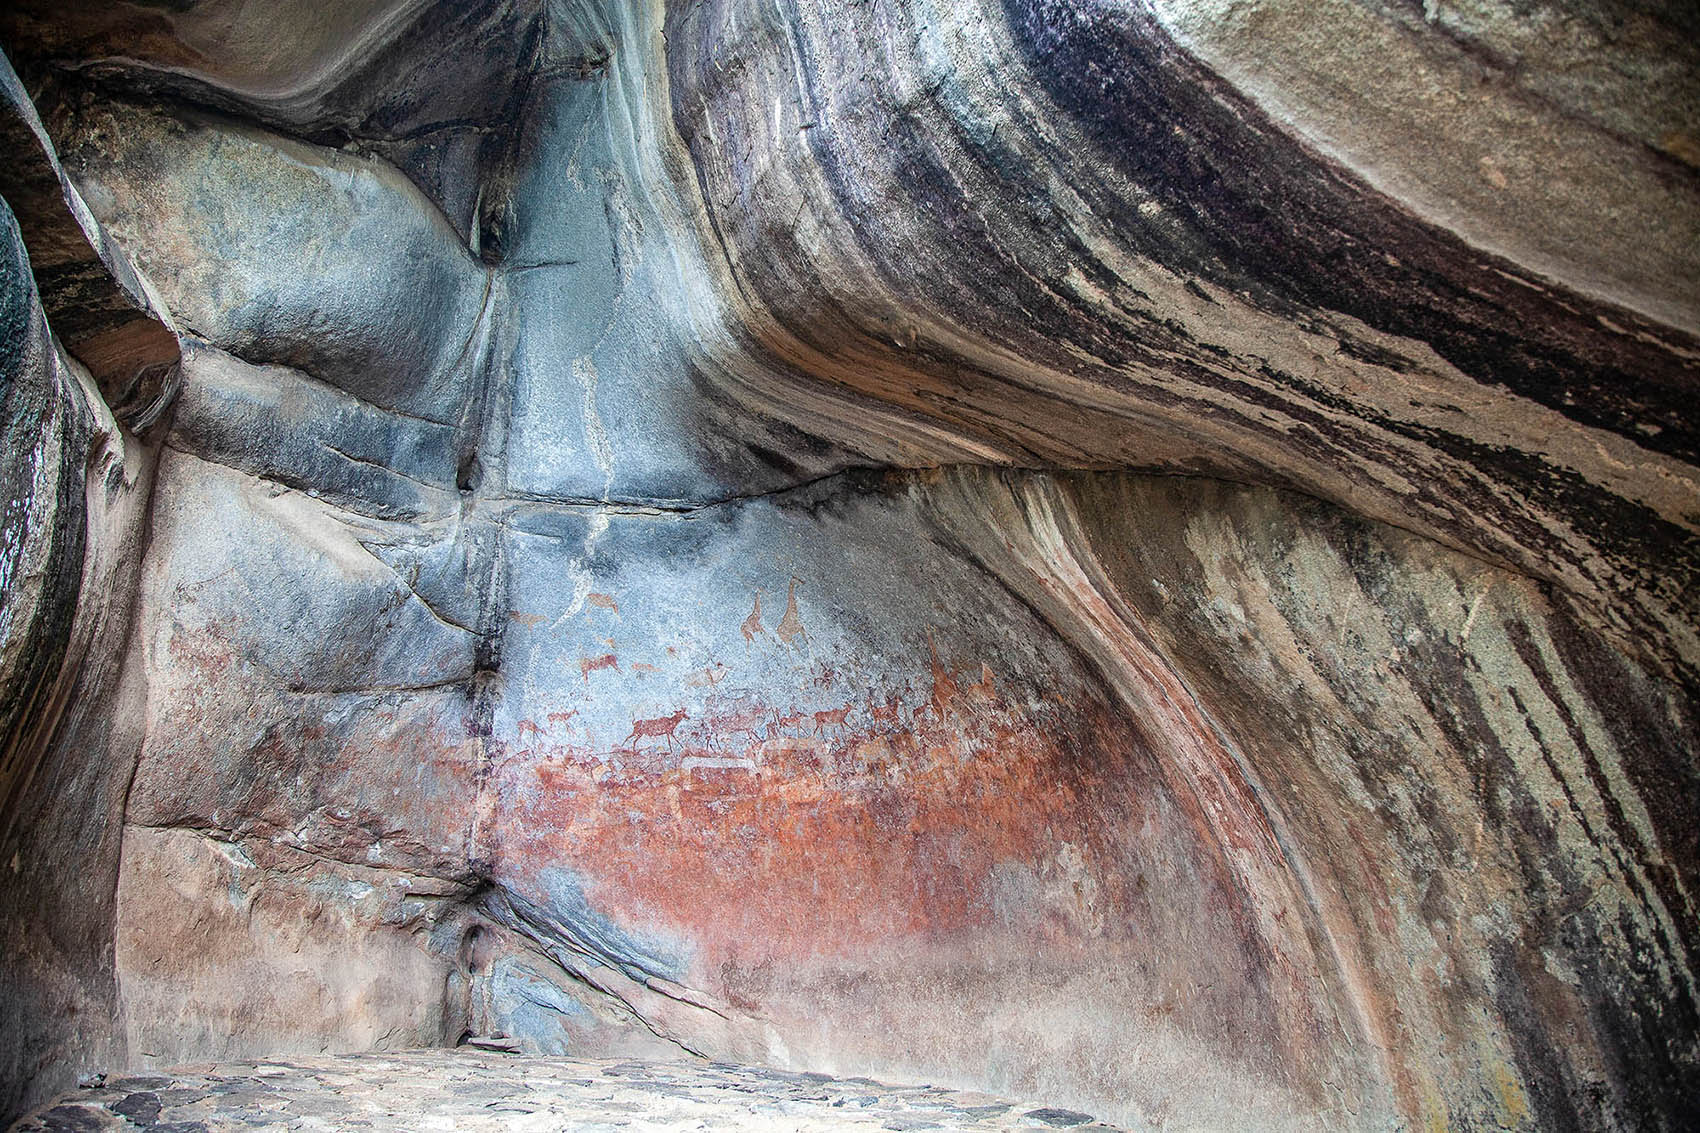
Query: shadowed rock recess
(1138, 554)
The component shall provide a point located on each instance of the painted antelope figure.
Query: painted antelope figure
(727, 724)
(887, 713)
(783, 722)
(663, 726)
(832, 718)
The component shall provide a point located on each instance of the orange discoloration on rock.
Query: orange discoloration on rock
(605, 601)
(945, 690)
(529, 621)
(1380, 900)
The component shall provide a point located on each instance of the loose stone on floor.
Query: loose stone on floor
(476, 1090)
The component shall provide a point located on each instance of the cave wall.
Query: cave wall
(1012, 544)
(74, 521)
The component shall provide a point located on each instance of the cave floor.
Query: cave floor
(475, 1090)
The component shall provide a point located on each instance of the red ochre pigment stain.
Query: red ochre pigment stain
(823, 831)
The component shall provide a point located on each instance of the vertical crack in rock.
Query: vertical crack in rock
(480, 475)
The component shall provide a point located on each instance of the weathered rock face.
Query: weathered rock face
(70, 538)
(1047, 547)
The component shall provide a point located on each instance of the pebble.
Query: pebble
(479, 1091)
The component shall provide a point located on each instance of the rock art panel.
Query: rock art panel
(897, 799)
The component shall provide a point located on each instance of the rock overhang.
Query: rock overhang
(639, 437)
